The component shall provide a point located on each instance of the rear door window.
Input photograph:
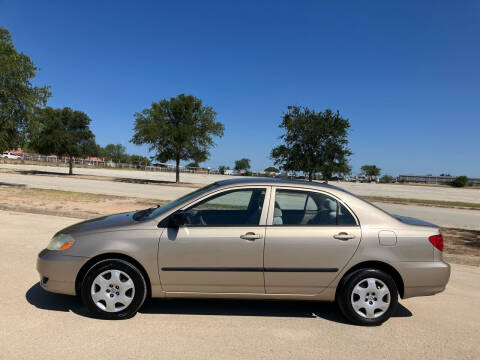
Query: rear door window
(297, 207)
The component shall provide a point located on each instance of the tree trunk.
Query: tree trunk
(177, 171)
(70, 166)
(310, 176)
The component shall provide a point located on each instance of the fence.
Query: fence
(52, 159)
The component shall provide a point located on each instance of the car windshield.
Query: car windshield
(154, 212)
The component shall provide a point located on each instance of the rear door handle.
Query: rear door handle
(250, 236)
(343, 236)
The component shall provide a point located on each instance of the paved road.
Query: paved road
(38, 325)
(446, 217)
(467, 219)
(399, 191)
(118, 188)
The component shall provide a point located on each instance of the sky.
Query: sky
(405, 73)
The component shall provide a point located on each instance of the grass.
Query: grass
(439, 203)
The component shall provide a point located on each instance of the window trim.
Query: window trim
(325, 193)
(263, 215)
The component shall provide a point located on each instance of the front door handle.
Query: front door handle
(250, 236)
(343, 236)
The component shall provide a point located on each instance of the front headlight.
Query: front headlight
(61, 242)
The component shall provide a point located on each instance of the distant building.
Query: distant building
(93, 160)
(430, 179)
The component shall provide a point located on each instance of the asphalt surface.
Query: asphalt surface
(446, 217)
(35, 324)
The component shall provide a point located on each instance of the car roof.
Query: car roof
(274, 181)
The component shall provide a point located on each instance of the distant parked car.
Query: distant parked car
(250, 238)
(361, 179)
(230, 172)
(9, 155)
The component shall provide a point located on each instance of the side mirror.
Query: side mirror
(177, 219)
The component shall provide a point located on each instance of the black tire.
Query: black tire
(138, 297)
(344, 296)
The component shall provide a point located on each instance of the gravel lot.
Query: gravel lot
(38, 325)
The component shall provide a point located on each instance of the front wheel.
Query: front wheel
(113, 289)
(368, 297)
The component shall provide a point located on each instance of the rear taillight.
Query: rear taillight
(437, 241)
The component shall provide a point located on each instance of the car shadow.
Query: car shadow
(148, 181)
(40, 172)
(44, 300)
(265, 308)
(12, 184)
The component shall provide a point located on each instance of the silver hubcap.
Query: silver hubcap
(112, 291)
(370, 298)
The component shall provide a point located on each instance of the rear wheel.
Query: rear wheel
(368, 297)
(113, 289)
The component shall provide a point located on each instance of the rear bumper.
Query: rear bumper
(424, 278)
(58, 272)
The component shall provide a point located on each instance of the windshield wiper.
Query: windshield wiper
(139, 215)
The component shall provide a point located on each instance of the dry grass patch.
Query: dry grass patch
(68, 203)
(461, 246)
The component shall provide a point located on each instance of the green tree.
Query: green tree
(313, 142)
(222, 169)
(178, 129)
(460, 181)
(115, 152)
(271, 169)
(100, 151)
(18, 97)
(193, 164)
(371, 170)
(386, 179)
(140, 160)
(63, 132)
(242, 164)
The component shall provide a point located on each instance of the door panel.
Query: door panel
(305, 260)
(302, 254)
(220, 248)
(216, 259)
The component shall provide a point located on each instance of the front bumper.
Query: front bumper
(424, 278)
(58, 271)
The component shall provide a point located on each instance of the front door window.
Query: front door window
(232, 208)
